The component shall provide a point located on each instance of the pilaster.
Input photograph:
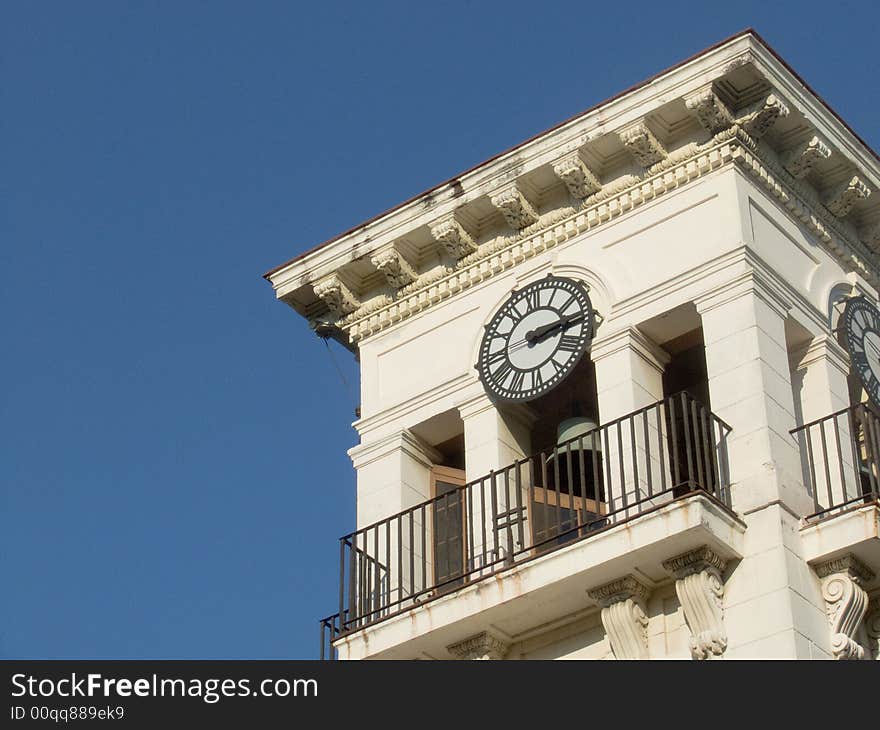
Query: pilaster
(872, 624)
(750, 388)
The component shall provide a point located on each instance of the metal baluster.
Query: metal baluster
(519, 505)
(493, 486)
(687, 441)
(648, 469)
(509, 525)
(661, 446)
(673, 430)
(825, 464)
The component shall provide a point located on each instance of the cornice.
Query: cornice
(403, 441)
(739, 140)
(630, 338)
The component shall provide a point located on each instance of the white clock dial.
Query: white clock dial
(536, 339)
(861, 328)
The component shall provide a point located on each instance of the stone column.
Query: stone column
(846, 603)
(623, 616)
(629, 376)
(393, 474)
(819, 375)
(494, 439)
(482, 646)
(750, 388)
(700, 589)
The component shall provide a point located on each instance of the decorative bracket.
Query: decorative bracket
(643, 145)
(846, 602)
(700, 590)
(623, 616)
(710, 111)
(871, 236)
(398, 271)
(450, 234)
(800, 160)
(842, 198)
(516, 209)
(338, 298)
(763, 115)
(578, 178)
(872, 624)
(482, 646)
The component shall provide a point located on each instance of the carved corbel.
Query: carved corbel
(578, 178)
(700, 591)
(846, 602)
(871, 236)
(712, 113)
(338, 298)
(483, 646)
(624, 617)
(800, 160)
(643, 145)
(763, 115)
(450, 234)
(842, 198)
(516, 209)
(398, 271)
(872, 624)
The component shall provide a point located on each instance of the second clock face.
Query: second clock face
(536, 339)
(861, 326)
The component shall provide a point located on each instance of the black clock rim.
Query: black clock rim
(848, 313)
(589, 331)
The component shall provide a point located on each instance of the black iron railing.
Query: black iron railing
(840, 458)
(613, 473)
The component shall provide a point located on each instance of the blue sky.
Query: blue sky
(173, 476)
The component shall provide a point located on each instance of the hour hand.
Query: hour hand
(538, 333)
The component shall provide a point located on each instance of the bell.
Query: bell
(576, 426)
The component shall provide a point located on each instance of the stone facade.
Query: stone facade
(714, 234)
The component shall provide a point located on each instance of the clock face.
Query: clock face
(861, 327)
(536, 339)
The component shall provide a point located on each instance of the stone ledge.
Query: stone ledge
(553, 585)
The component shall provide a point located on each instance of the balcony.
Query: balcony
(840, 458)
(554, 523)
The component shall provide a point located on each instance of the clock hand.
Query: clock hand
(541, 332)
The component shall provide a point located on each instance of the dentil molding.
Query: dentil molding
(700, 590)
(482, 646)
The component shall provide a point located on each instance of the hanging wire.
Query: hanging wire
(342, 377)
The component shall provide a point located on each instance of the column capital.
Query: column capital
(485, 645)
(404, 441)
(481, 403)
(634, 339)
(821, 348)
(749, 283)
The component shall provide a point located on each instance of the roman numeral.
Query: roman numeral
(533, 299)
(518, 377)
(567, 304)
(500, 374)
(495, 357)
(569, 343)
(860, 360)
(537, 380)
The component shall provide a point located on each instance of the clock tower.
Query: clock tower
(620, 386)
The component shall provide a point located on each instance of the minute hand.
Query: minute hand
(540, 332)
